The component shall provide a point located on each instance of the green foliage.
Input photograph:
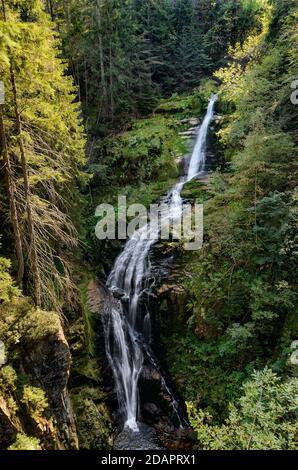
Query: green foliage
(236, 280)
(47, 145)
(195, 191)
(24, 442)
(242, 285)
(242, 290)
(23, 324)
(8, 379)
(7, 288)
(178, 104)
(202, 372)
(124, 55)
(141, 163)
(35, 401)
(146, 152)
(264, 417)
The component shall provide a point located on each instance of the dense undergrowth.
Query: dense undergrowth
(242, 290)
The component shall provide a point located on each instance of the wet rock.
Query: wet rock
(182, 439)
(190, 121)
(118, 293)
(150, 373)
(151, 409)
(166, 288)
(181, 165)
(217, 118)
(191, 132)
(94, 296)
(144, 439)
(99, 294)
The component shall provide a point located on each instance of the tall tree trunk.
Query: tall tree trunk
(50, 9)
(12, 199)
(101, 57)
(3, 10)
(32, 249)
(86, 81)
(112, 105)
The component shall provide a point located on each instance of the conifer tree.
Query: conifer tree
(42, 140)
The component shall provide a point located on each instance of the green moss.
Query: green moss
(7, 288)
(92, 418)
(8, 378)
(93, 421)
(81, 335)
(35, 401)
(187, 105)
(196, 191)
(176, 104)
(147, 152)
(24, 442)
(22, 323)
(40, 324)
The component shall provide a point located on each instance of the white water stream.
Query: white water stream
(126, 327)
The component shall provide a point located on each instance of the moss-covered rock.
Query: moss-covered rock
(24, 442)
(92, 418)
(196, 191)
(34, 378)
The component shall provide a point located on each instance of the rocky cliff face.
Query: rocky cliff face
(48, 363)
(10, 426)
(35, 408)
(51, 394)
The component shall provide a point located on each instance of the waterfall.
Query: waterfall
(127, 328)
(198, 158)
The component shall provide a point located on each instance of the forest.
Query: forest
(112, 344)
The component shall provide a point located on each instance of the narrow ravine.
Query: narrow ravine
(127, 327)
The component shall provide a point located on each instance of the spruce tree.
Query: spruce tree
(42, 140)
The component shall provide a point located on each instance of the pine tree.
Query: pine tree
(43, 143)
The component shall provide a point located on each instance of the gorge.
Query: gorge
(139, 342)
(127, 327)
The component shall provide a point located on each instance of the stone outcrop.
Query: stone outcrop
(48, 363)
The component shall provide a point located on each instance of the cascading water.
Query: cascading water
(198, 159)
(127, 328)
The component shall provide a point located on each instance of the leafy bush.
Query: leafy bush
(265, 417)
